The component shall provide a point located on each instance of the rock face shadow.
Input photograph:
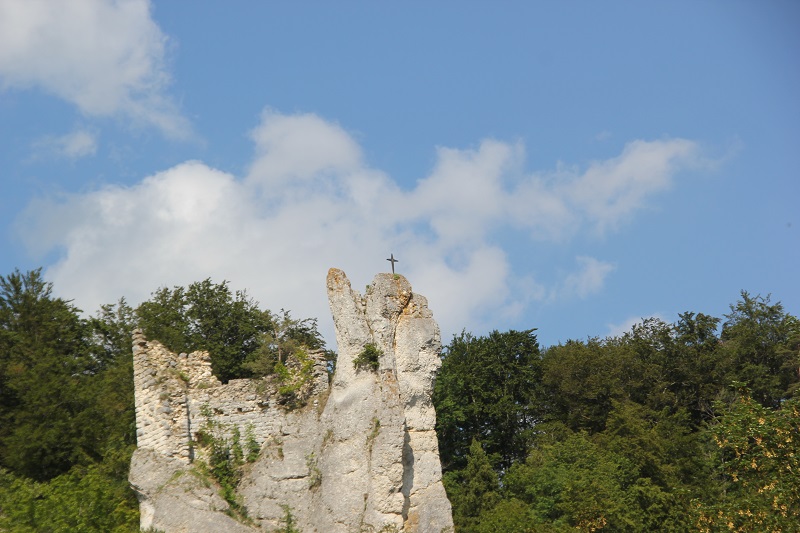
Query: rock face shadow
(408, 474)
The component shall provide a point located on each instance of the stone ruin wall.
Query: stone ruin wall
(173, 390)
(362, 456)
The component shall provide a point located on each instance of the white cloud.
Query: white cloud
(465, 195)
(609, 192)
(587, 280)
(106, 57)
(73, 145)
(309, 202)
(299, 148)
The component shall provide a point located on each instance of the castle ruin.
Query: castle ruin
(362, 455)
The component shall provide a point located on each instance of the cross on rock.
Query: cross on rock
(392, 260)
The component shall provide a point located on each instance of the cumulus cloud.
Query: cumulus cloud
(73, 145)
(309, 202)
(609, 192)
(105, 57)
(588, 279)
(299, 148)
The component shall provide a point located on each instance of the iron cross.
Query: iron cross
(392, 260)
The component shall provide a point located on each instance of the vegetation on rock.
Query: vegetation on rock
(369, 358)
(67, 425)
(295, 379)
(223, 458)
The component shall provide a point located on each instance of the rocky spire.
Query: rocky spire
(363, 455)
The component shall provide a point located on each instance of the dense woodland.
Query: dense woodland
(692, 426)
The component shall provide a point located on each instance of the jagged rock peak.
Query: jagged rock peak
(363, 456)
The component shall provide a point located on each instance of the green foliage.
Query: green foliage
(640, 432)
(113, 403)
(571, 483)
(66, 412)
(111, 332)
(614, 435)
(251, 444)
(207, 316)
(46, 363)
(582, 380)
(66, 390)
(369, 358)
(295, 379)
(486, 391)
(762, 343)
(660, 446)
(225, 459)
(758, 459)
(509, 515)
(93, 499)
(289, 524)
(472, 490)
(314, 473)
(237, 454)
(580, 483)
(286, 337)
(243, 341)
(373, 433)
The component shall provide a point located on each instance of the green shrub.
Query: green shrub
(368, 358)
(376, 429)
(225, 460)
(294, 380)
(314, 473)
(289, 525)
(251, 444)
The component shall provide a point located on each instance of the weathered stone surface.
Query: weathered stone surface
(362, 456)
(174, 499)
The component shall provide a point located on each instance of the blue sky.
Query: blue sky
(569, 166)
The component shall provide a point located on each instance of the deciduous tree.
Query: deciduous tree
(485, 391)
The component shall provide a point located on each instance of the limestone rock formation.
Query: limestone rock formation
(361, 456)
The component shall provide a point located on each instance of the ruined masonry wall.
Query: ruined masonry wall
(172, 389)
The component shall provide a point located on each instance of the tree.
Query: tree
(66, 412)
(164, 318)
(510, 515)
(45, 360)
(111, 329)
(762, 342)
(207, 316)
(243, 340)
(285, 337)
(581, 380)
(473, 490)
(695, 370)
(91, 499)
(757, 461)
(485, 391)
(573, 484)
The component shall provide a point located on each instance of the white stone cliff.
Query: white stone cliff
(361, 456)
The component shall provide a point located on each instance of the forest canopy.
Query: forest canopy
(689, 426)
